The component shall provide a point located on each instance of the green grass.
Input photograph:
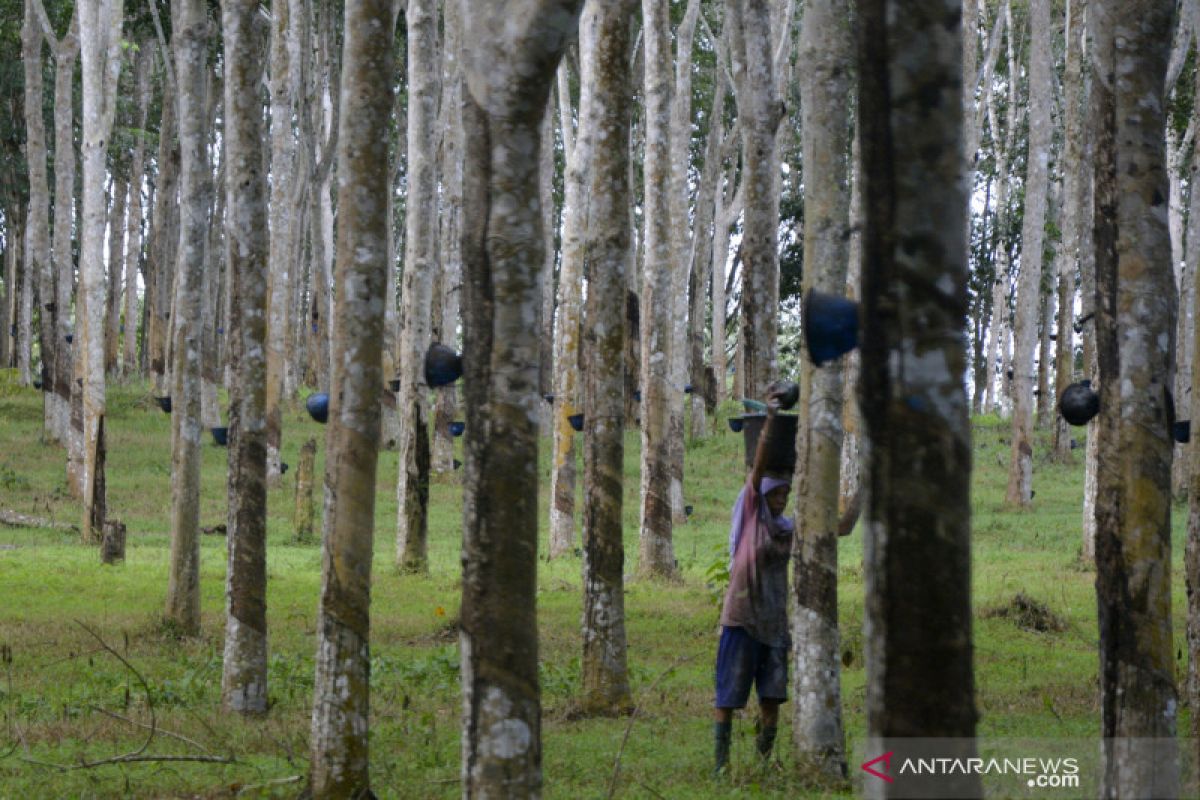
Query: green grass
(1029, 684)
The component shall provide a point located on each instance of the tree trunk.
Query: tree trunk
(850, 491)
(190, 29)
(133, 250)
(705, 380)
(451, 223)
(657, 557)
(67, 409)
(60, 291)
(244, 677)
(759, 113)
(1135, 309)
(680, 140)
(1075, 198)
(604, 45)
(116, 262)
(550, 259)
(160, 272)
(567, 394)
(100, 28)
(1184, 393)
(817, 730)
(1029, 279)
(997, 383)
(37, 267)
(283, 163)
(919, 675)
(1191, 556)
(511, 50)
(339, 754)
(420, 266)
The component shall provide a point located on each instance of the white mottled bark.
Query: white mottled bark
(511, 50)
(37, 268)
(604, 42)
(244, 673)
(567, 394)
(100, 49)
(283, 161)
(656, 550)
(826, 51)
(1135, 313)
(190, 28)
(681, 249)
(451, 226)
(760, 111)
(420, 266)
(1029, 281)
(133, 251)
(65, 422)
(339, 764)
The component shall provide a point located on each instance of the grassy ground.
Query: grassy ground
(61, 681)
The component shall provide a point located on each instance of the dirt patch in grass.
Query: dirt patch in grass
(1027, 613)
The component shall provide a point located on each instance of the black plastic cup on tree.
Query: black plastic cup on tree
(1181, 431)
(1079, 403)
(443, 366)
(576, 421)
(830, 326)
(164, 403)
(317, 406)
(220, 436)
(457, 427)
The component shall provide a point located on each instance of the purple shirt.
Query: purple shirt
(757, 596)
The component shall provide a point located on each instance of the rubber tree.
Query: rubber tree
(1033, 226)
(283, 163)
(511, 51)
(341, 693)
(760, 111)
(656, 550)
(100, 50)
(826, 50)
(244, 677)
(420, 266)
(37, 265)
(1135, 313)
(604, 46)
(914, 292)
(566, 357)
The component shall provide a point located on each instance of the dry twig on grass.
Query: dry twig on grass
(139, 755)
(612, 784)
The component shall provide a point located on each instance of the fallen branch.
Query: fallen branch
(269, 784)
(138, 755)
(16, 520)
(138, 724)
(612, 784)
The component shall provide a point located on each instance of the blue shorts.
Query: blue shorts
(741, 661)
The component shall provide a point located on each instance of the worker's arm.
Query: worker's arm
(760, 454)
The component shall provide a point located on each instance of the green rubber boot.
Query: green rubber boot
(765, 740)
(722, 735)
